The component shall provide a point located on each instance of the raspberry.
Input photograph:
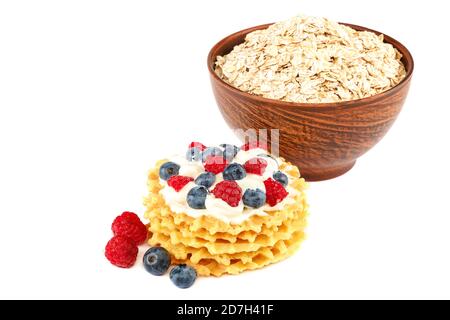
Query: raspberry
(121, 251)
(254, 145)
(228, 191)
(129, 225)
(255, 166)
(130, 216)
(275, 192)
(198, 145)
(178, 182)
(215, 164)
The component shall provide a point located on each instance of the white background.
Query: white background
(92, 93)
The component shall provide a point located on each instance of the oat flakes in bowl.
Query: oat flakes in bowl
(312, 60)
(323, 138)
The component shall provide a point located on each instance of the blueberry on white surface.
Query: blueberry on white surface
(193, 154)
(168, 170)
(196, 197)
(281, 178)
(211, 152)
(234, 171)
(206, 179)
(183, 276)
(157, 261)
(254, 198)
(229, 151)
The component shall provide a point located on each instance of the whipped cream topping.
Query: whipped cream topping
(218, 208)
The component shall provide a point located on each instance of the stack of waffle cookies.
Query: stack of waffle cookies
(214, 247)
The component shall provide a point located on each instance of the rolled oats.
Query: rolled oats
(312, 60)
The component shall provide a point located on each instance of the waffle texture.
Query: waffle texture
(214, 247)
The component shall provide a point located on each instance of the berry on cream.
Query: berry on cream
(214, 183)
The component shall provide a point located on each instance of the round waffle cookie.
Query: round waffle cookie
(215, 247)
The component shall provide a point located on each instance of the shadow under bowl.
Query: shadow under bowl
(322, 139)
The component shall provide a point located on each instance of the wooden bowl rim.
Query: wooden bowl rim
(397, 44)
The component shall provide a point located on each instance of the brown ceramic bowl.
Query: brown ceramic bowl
(323, 140)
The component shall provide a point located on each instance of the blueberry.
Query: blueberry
(211, 152)
(234, 171)
(254, 198)
(281, 178)
(196, 197)
(183, 276)
(206, 179)
(156, 261)
(168, 169)
(230, 151)
(193, 154)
